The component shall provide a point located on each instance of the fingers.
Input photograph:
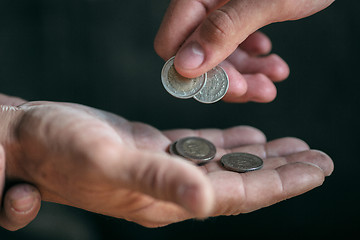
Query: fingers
(278, 153)
(275, 148)
(315, 157)
(272, 65)
(12, 101)
(219, 34)
(168, 178)
(209, 31)
(251, 77)
(21, 202)
(240, 193)
(248, 87)
(295, 9)
(20, 206)
(290, 169)
(248, 139)
(181, 19)
(228, 138)
(256, 44)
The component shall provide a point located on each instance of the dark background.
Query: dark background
(100, 53)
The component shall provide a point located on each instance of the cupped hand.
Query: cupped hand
(204, 33)
(100, 162)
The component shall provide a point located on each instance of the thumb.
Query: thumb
(171, 179)
(20, 203)
(20, 206)
(224, 28)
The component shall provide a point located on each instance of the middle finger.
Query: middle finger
(275, 149)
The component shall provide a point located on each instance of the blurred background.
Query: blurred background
(100, 53)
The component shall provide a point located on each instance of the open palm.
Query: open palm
(98, 161)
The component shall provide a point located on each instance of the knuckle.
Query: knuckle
(220, 26)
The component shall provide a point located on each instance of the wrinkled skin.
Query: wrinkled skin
(219, 27)
(101, 162)
(204, 33)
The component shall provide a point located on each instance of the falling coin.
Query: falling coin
(179, 86)
(241, 162)
(215, 88)
(195, 149)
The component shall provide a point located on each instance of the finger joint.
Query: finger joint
(220, 25)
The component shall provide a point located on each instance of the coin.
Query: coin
(241, 162)
(172, 149)
(215, 88)
(179, 86)
(196, 149)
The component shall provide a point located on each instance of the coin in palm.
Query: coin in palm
(196, 149)
(241, 162)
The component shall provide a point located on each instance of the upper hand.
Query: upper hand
(100, 162)
(202, 34)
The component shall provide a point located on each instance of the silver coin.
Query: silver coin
(179, 86)
(196, 149)
(172, 149)
(216, 86)
(241, 162)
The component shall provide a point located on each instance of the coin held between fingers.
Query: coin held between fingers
(207, 88)
(215, 88)
(179, 86)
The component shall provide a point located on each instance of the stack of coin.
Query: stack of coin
(195, 149)
(207, 88)
(202, 151)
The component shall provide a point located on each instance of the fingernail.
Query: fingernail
(191, 56)
(22, 199)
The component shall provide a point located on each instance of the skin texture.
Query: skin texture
(212, 30)
(83, 157)
(100, 162)
(21, 202)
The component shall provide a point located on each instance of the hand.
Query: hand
(100, 162)
(202, 34)
(21, 202)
